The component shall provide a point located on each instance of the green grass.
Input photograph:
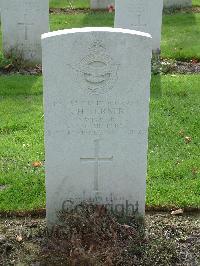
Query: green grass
(196, 2)
(173, 165)
(90, 19)
(173, 172)
(66, 3)
(21, 142)
(180, 36)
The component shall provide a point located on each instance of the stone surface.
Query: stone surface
(100, 4)
(141, 15)
(96, 99)
(177, 3)
(23, 22)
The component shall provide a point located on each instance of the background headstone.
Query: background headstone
(96, 117)
(0, 11)
(101, 4)
(23, 22)
(177, 3)
(141, 15)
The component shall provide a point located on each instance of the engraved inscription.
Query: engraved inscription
(98, 70)
(99, 117)
(139, 11)
(139, 23)
(96, 160)
(96, 117)
(25, 24)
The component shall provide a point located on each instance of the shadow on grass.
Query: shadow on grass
(98, 19)
(180, 36)
(20, 85)
(156, 87)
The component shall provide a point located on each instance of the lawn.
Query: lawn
(68, 3)
(196, 2)
(180, 36)
(21, 142)
(91, 19)
(173, 161)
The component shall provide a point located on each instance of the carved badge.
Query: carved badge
(98, 70)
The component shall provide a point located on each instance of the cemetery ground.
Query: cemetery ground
(173, 179)
(101, 240)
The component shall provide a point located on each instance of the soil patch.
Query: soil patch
(11, 69)
(73, 11)
(170, 66)
(166, 66)
(96, 238)
(194, 9)
(192, 67)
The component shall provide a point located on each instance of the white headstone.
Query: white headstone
(96, 99)
(0, 10)
(101, 4)
(177, 3)
(141, 15)
(23, 22)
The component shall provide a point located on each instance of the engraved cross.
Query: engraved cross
(96, 160)
(25, 24)
(139, 15)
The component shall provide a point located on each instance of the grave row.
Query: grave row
(23, 22)
(103, 4)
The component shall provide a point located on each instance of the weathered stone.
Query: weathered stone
(23, 22)
(141, 15)
(96, 118)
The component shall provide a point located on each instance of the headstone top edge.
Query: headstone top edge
(94, 29)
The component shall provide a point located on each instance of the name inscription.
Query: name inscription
(98, 117)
